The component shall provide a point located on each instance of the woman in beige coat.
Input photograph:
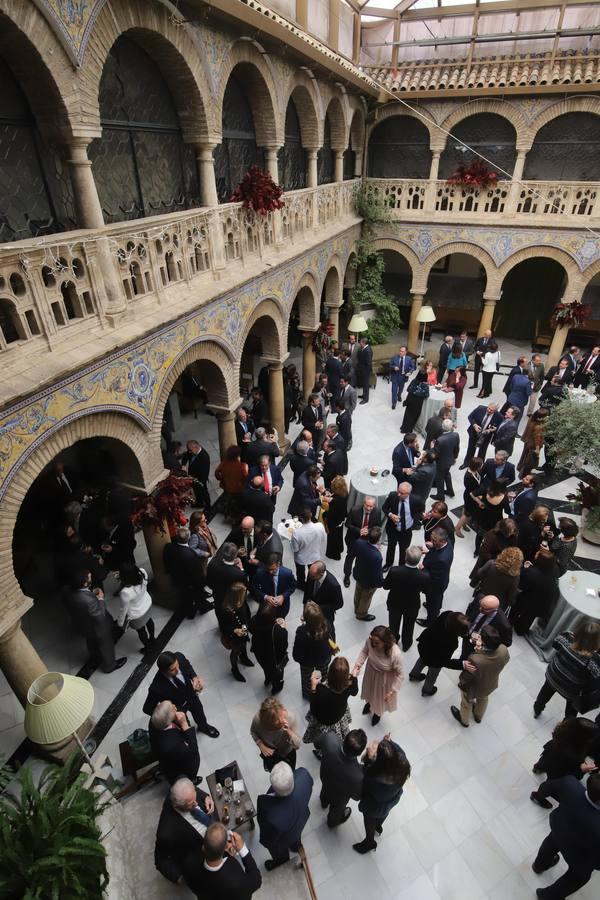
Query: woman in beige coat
(383, 673)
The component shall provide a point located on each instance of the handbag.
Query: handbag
(419, 389)
(279, 666)
(226, 641)
(139, 743)
(585, 703)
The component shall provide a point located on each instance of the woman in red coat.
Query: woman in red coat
(456, 382)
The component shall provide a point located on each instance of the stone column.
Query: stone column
(413, 325)
(333, 316)
(358, 160)
(487, 315)
(435, 165)
(19, 661)
(309, 364)
(206, 174)
(311, 173)
(226, 427)
(339, 165)
(271, 163)
(515, 188)
(276, 402)
(558, 344)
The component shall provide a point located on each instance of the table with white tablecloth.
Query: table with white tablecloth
(363, 484)
(579, 599)
(432, 405)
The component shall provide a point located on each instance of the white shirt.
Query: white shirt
(198, 826)
(490, 361)
(243, 852)
(309, 543)
(135, 600)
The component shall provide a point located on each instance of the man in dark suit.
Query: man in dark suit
(437, 563)
(348, 396)
(219, 875)
(333, 435)
(177, 681)
(333, 368)
(260, 407)
(562, 370)
(62, 486)
(244, 429)
(186, 814)
(184, 568)
(269, 543)
(174, 743)
(299, 460)
(93, 621)
(275, 584)
(335, 462)
(486, 611)
(445, 350)
(225, 569)
(423, 476)
(433, 426)
(483, 421)
(341, 772)
(403, 512)
(574, 834)
(259, 447)
(401, 366)
(551, 395)
(271, 476)
(446, 449)
(254, 502)
(306, 493)
(358, 522)
(505, 435)
(590, 365)
(343, 421)
(519, 369)
(312, 419)
(498, 469)
(246, 538)
(197, 461)
(520, 505)
(367, 572)
(467, 344)
(481, 346)
(283, 812)
(535, 372)
(405, 456)
(323, 588)
(117, 542)
(364, 364)
(405, 584)
(572, 358)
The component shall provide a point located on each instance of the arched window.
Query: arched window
(292, 156)
(35, 188)
(491, 135)
(10, 326)
(141, 165)
(566, 149)
(399, 148)
(238, 150)
(325, 157)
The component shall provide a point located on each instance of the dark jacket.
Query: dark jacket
(299, 464)
(433, 430)
(364, 358)
(333, 367)
(478, 415)
(256, 504)
(488, 472)
(575, 823)
(121, 540)
(516, 370)
(335, 463)
(309, 421)
(447, 447)
(286, 584)
(240, 433)
(438, 563)
(176, 839)
(378, 797)
(269, 641)
(524, 504)
(328, 706)
(234, 879)
(567, 378)
(499, 621)
(176, 751)
(274, 474)
(273, 544)
(220, 576)
(391, 504)
(422, 480)
(90, 615)
(305, 496)
(162, 688)
(343, 420)
(505, 434)
(437, 645)
(368, 565)
(256, 449)
(281, 819)
(521, 389)
(328, 595)
(403, 458)
(405, 585)
(311, 652)
(198, 466)
(341, 775)
(354, 523)
(184, 567)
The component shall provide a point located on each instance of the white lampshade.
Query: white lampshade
(357, 323)
(57, 705)
(426, 314)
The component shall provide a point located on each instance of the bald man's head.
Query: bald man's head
(247, 524)
(489, 604)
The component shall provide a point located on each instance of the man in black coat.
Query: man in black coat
(505, 435)
(364, 364)
(306, 494)
(335, 462)
(483, 421)
(437, 562)
(519, 369)
(445, 350)
(405, 584)
(174, 743)
(486, 611)
(93, 621)
(405, 456)
(341, 773)
(520, 505)
(446, 448)
(497, 469)
(590, 365)
(422, 478)
(177, 681)
(323, 588)
(437, 645)
(283, 812)
(358, 522)
(333, 368)
(403, 512)
(269, 543)
(260, 446)
(260, 407)
(574, 834)
(185, 816)
(562, 371)
(184, 567)
(244, 427)
(343, 421)
(481, 346)
(300, 460)
(219, 875)
(254, 502)
(117, 542)
(224, 570)
(312, 419)
(198, 467)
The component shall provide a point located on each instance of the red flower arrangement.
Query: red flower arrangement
(257, 191)
(166, 502)
(570, 315)
(475, 175)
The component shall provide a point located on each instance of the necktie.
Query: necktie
(316, 412)
(248, 545)
(402, 516)
(589, 363)
(201, 816)
(409, 453)
(274, 585)
(365, 520)
(485, 423)
(267, 483)
(402, 366)
(478, 621)
(245, 427)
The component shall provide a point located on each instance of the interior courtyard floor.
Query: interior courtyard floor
(464, 827)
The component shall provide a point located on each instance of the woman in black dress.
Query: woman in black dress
(533, 531)
(234, 622)
(572, 741)
(329, 702)
(472, 483)
(312, 645)
(270, 644)
(414, 402)
(335, 516)
(489, 509)
(386, 772)
(539, 591)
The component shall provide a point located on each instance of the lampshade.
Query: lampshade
(357, 323)
(426, 314)
(57, 705)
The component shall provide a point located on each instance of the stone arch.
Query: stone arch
(560, 256)
(307, 294)
(172, 49)
(417, 268)
(270, 317)
(357, 131)
(262, 94)
(332, 283)
(497, 107)
(397, 109)
(479, 253)
(572, 104)
(94, 424)
(42, 69)
(337, 119)
(303, 92)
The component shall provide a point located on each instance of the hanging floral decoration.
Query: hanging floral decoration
(570, 315)
(166, 503)
(476, 175)
(257, 191)
(322, 337)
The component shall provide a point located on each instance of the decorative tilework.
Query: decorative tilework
(73, 21)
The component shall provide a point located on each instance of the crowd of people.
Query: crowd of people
(520, 552)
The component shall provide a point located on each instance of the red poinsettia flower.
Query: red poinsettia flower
(257, 191)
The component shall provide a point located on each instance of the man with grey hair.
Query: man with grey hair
(185, 570)
(312, 419)
(300, 460)
(174, 742)
(438, 560)
(498, 469)
(219, 876)
(445, 350)
(186, 814)
(283, 812)
(259, 446)
(225, 569)
(405, 584)
(404, 513)
(446, 448)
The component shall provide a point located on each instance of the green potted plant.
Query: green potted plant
(51, 842)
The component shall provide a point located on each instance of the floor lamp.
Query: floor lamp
(425, 314)
(57, 706)
(357, 324)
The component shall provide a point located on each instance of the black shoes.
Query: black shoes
(363, 401)
(456, 714)
(366, 709)
(375, 720)
(538, 869)
(430, 693)
(422, 622)
(464, 466)
(246, 661)
(210, 730)
(238, 675)
(541, 801)
(119, 663)
(346, 581)
(364, 847)
(368, 618)
(419, 677)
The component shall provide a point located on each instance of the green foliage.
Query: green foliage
(369, 292)
(50, 843)
(574, 432)
(371, 206)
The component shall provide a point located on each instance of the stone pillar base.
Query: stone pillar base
(19, 662)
